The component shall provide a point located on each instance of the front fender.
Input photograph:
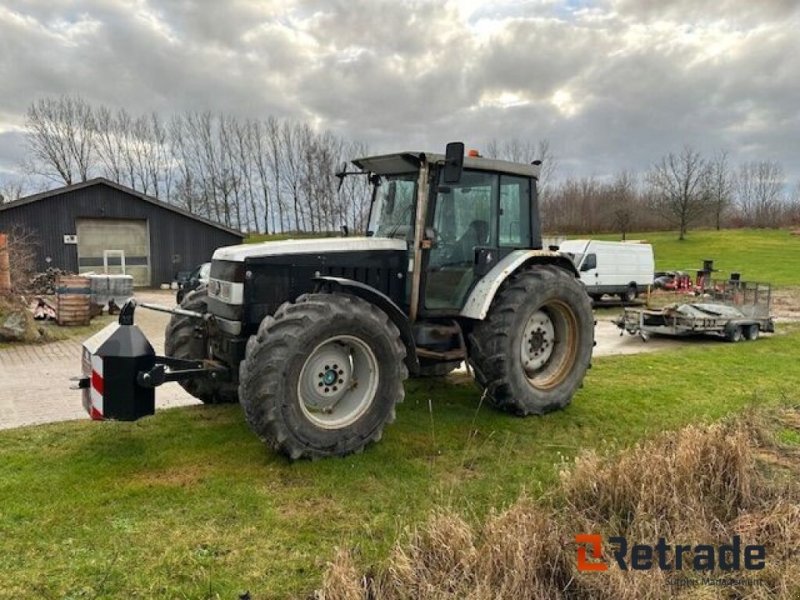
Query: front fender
(382, 301)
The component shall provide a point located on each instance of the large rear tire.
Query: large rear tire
(322, 377)
(184, 339)
(534, 347)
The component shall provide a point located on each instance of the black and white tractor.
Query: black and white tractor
(315, 337)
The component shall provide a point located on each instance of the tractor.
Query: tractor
(315, 337)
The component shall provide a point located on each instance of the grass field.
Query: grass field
(189, 504)
(768, 255)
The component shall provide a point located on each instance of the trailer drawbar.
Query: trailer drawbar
(120, 370)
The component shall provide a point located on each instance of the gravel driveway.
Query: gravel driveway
(35, 378)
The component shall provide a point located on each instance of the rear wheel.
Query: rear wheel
(751, 332)
(185, 338)
(532, 351)
(322, 377)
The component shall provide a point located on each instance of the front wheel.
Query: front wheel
(532, 351)
(187, 338)
(322, 377)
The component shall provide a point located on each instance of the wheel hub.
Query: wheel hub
(338, 382)
(538, 341)
(328, 373)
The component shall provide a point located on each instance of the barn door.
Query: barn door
(115, 246)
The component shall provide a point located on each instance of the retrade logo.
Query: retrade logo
(594, 544)
(666, 557)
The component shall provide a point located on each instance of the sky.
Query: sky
(611, 84)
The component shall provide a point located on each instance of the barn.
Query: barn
(105, 227)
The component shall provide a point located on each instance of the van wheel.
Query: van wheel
(630, 294)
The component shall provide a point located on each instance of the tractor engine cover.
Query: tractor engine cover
(111, 361)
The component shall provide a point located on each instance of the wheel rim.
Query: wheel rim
(549, 345)
(338, 382)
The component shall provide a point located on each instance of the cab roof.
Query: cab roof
(405, 162)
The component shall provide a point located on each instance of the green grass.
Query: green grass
(189, 504)
(768, 255)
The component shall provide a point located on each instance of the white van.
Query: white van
(618, 268)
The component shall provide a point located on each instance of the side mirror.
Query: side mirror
(453, 162)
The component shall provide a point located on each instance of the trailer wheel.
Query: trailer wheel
(322, 377)
(751, 332)
(183, 339)
(533, 349)
(733, 333)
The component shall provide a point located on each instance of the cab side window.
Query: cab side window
(515, 212)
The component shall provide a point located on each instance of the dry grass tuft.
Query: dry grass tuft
(698, 485)
(678, 483)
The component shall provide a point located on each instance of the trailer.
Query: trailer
(732, 309)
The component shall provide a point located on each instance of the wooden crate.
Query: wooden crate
(73, 300)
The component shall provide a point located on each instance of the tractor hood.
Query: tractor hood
(310, 246)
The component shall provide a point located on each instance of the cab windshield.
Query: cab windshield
(392, 213)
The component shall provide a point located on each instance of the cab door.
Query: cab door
(474, 223)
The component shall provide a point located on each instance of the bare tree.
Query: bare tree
(680, 186)
(22, 249)
(11, 188)
(760, 192)
(622, 205)
(60, 138)
(720, 186)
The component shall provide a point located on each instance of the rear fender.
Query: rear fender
(481, 297)
(382, 301)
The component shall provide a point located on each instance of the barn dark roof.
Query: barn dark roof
(122, 188)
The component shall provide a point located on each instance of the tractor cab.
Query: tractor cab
(465, 220)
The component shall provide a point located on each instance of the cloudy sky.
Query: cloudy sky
(610, 83)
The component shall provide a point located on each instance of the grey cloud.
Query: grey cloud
(643, 77)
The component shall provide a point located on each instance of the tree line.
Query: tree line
(270, 175)
(256, 175)
(681, 190)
